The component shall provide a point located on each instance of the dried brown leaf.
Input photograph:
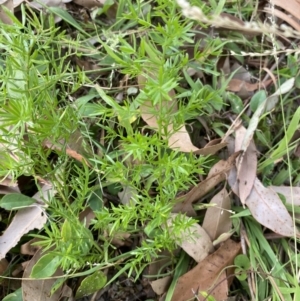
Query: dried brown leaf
(121, 239)
(294, 23)
(232, 181)
(127, 195)
(8, 4)
(268, 209)
(25, 220)
(206, 275)
(291, 6)
(210, 149)
(238, 85)
(49, 3)
(291, 194)
(160, 286)
(90, 3)
(3, 266)
(45, 193)
(246, 165)
(217, 174)
(164, 258)
(240, 72)
(76, 147)
(194, 241)
(8, 181)
(7, 190)
(39, 290)
(86, 216)
(217, 218)
(28, 248)
(179, 138)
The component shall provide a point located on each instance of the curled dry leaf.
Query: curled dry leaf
(217, 218)
(120, 239)
(246, 164)
(194, 241)
(179, 138)
(117, 238)
(217, 174)
(206, 275)
(240, 72)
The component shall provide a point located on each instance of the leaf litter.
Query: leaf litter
(217, 218)
(179, 138)
(26, 219)
(264, 204)
(216, 175)
(239, 168)
(246, 165)
(207, 274)
(194, 241)
(40, 290)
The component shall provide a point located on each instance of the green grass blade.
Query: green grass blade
(68, 18)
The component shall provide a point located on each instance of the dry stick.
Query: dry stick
(274, 66)
(268, 71)
(282, 56)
